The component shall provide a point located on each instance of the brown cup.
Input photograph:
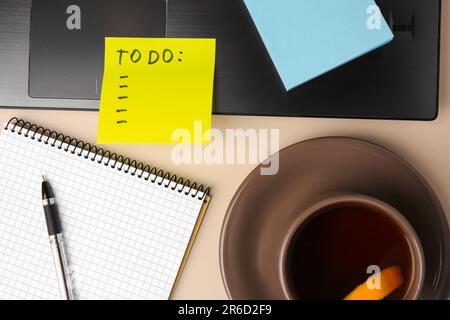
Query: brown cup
(413, 284)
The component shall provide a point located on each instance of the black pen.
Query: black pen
(56, 241)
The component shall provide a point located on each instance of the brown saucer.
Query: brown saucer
(264, 207)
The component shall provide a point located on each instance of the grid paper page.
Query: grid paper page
(125, 237)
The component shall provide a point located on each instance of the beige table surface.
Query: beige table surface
(426, 145)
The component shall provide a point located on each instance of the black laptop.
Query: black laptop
(51, 56)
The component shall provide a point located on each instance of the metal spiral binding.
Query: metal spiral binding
(108, 158)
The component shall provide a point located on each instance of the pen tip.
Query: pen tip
(43, 179)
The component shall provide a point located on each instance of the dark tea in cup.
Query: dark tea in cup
(338, 243)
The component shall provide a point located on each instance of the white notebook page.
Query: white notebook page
(125, 237)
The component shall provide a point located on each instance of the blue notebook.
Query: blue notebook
(307, 38)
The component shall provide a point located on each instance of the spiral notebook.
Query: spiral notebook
(128, 227)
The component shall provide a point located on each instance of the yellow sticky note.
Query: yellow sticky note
(154, 87)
